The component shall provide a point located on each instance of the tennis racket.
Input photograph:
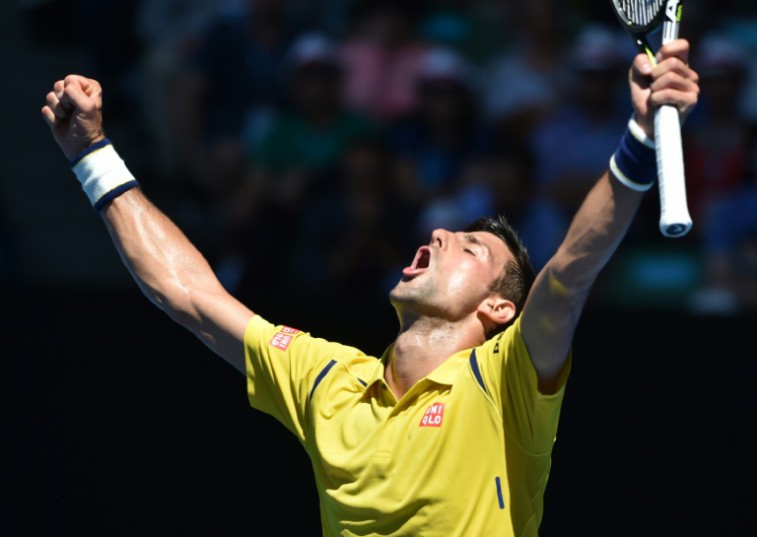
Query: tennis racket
(641, 18)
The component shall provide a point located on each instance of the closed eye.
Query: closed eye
(481, 249)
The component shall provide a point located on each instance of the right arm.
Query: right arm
(169, 270)
(175, 276)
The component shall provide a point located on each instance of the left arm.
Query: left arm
(559, 293)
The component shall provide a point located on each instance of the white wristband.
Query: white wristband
(634, 164)
(103, 174)
(621, 177)
(639, 134)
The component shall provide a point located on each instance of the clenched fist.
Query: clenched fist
(73, 110)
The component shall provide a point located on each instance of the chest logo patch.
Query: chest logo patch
(433, 416)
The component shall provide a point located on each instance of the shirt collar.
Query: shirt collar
(376, 374)
(448, 371)
(445, 373)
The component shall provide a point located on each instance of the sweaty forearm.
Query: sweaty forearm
(595, 233)
(175, 276)
(560, 291)
(168, 268)
(605, 214)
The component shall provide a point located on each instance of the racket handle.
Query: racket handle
(675, 220)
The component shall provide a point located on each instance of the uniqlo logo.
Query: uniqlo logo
(281, 341)
(283, 338)
(433, 416)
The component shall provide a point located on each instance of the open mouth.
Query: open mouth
(420, 262)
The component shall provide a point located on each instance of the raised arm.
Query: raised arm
(169, 270)
(559, 293)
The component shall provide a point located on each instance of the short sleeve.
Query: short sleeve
(511, 380)
(282, 365)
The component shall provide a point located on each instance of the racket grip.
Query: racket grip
(675, 220)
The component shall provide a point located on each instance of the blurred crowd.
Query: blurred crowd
(318, 142)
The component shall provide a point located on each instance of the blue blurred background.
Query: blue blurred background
(307, 148)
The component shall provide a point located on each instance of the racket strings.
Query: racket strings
(641, 12)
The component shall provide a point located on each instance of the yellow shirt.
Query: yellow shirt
(466, 452)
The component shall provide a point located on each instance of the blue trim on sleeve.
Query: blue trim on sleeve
(477, 371)
(94, 147)
(361, 381)
(321, 376)
(501, 498)
(114, 194)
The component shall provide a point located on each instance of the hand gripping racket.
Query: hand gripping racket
(640, 18)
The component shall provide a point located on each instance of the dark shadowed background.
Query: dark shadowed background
(115, 421)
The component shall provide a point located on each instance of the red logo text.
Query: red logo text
(433, 416)
(281, 341)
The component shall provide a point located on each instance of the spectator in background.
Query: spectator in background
(721, 169)
(731, 248)
(350, 234)
(568, 145)
(731, 253)
(382, 57)
(474, 29)
(228, 87)
(234, 80)
(718, 139)
(438, 149)
(523, 82)
(300, 152)
(314, 133)
(167, 31)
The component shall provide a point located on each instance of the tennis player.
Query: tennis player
(450, 432)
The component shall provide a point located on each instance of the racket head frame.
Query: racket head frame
(667, 17)
(636, 27)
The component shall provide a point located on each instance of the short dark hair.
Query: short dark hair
(518, 274)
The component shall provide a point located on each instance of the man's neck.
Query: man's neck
(424, 345)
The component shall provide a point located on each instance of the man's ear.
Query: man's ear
(495, 311)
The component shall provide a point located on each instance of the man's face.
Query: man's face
(451, 276)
